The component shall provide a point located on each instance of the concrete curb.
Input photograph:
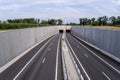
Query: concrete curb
(97, 48)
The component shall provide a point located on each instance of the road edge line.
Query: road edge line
(58, 47)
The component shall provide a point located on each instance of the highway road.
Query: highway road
(42, 63)
(93, 64)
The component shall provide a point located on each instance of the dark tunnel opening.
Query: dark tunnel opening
(60, 31)
(68, 31)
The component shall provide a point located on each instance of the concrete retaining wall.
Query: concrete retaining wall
(108, 40)
(14, 42)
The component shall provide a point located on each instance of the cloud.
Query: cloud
(117, 2)
(69, 10)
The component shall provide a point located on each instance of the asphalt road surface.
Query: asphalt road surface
(92, 63)
(42, 63)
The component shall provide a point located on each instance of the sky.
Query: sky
(67, 10)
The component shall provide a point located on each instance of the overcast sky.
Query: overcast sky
(68, 10)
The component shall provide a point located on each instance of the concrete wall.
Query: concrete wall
(14, 42)
(108, 40)
(64, 27)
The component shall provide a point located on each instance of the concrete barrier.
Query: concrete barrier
(14, 42)
(107, 40)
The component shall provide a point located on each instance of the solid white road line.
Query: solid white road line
(106, 76)
(78, 61)
(86, 55)
(56, 69)
(32, 59)
(43, 60)
(98, 57)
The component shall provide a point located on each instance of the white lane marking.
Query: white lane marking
(32, 59)
(86, 55)
(98, 57)
(43, 60)
(106, 76)
(56, 70)
(78, 61)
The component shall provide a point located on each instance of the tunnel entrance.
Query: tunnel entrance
(60, 31)
(68, 31)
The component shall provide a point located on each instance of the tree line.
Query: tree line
(101, 21)
(28, 23)
(35, 21)
(52, 22)
(25, 20)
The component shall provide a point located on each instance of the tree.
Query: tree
(9, 21)
(118, 20)
(104, 20)
(99, 20)
(38, 20)
(112, 20)
(52, 21)
(80, 21)
(44, 22)
(93, 21)
(88, 21)
(83, 21)
(60, 22)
